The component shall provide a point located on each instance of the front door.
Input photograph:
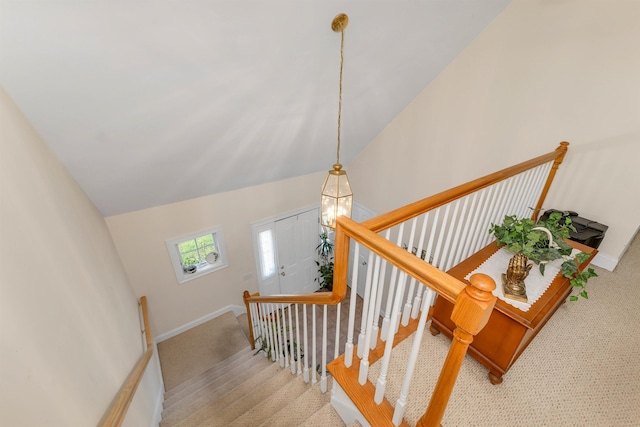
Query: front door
(296, 240)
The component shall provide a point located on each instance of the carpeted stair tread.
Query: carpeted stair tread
(216, 379)
(261, 372)
(257, 414)
(224, 410)
(298, 410)
(324, 417)
(220, 368)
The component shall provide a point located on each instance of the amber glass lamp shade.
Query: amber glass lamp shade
(336, 197)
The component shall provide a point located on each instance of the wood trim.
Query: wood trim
(120, 404)
(384, 221)
(245, 296)
(560, 152)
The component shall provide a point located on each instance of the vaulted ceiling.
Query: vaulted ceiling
(152, 102)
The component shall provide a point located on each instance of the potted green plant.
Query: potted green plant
(543, 242)
(325, 264)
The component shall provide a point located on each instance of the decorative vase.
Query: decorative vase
(513, 280)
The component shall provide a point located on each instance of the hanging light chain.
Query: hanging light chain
(340, 95)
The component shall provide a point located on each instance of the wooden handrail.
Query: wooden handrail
(118, 409)
(384, 221)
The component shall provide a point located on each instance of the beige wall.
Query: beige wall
(140, 239)
(541, 73)
(68, 317)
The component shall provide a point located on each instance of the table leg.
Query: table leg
(495, 379)
(434, 330)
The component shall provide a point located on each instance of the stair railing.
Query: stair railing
(407, 252)
(120, 404)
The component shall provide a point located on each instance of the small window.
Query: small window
(197, 254)
(266, 250)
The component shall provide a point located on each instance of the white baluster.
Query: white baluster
(364, 362)
(407, 307)
(380, 284)
(386, 358)
(336, 351)
(323, 377)
(313, 344)
(418, 298)
(392, 285)
(365, 307)
(279, 335)
(348, 347)
(446, 255)
(305, 362)
(401, 403)
(298, 343)
(291, 345)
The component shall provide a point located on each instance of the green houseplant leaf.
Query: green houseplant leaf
(523, 235)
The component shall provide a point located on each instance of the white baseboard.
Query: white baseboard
(237, 310)
(157, 409)
(605, 261)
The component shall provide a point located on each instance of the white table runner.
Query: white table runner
(536, 283)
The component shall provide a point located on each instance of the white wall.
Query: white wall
(68, 317)
(140, 239)
(541, 73)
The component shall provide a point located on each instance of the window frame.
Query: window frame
(204, 268)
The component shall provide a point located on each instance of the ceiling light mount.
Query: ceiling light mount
(340, 22)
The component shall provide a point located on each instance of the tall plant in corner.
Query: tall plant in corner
(542, 242)
(325, 262)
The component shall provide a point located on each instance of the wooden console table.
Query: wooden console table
(509, 330)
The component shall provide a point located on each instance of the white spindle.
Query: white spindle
(280, 337)
(457, 239)
(323, 377)
(365, 307)
(386, 358)
(482, 221)
(407, 307)
(298, 343)
(305, 361)
(364, 362)
(291, 347)
(313, 344)
(336, 351)
(401, 403)
(496, 208)
(446, 256)
(391, 290)
(418, 297)
(381, 285)
(348, 347)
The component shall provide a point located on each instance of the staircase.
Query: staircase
(248, 390)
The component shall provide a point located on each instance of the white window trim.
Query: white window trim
(174, 255)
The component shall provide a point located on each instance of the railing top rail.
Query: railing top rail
(118, 409)
(444, 284)
(389, 219)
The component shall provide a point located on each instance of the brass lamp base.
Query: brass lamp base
(514, 291)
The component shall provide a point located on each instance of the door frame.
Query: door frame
(269, 223)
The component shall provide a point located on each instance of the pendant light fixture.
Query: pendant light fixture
(336, 197)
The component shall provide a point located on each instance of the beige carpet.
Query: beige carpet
(198, 349)
(583, 368)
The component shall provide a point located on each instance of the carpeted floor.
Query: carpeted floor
(583, 368)
(198, 349)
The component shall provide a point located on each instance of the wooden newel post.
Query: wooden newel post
(471, 313)
(561, 151)
(245, 296)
